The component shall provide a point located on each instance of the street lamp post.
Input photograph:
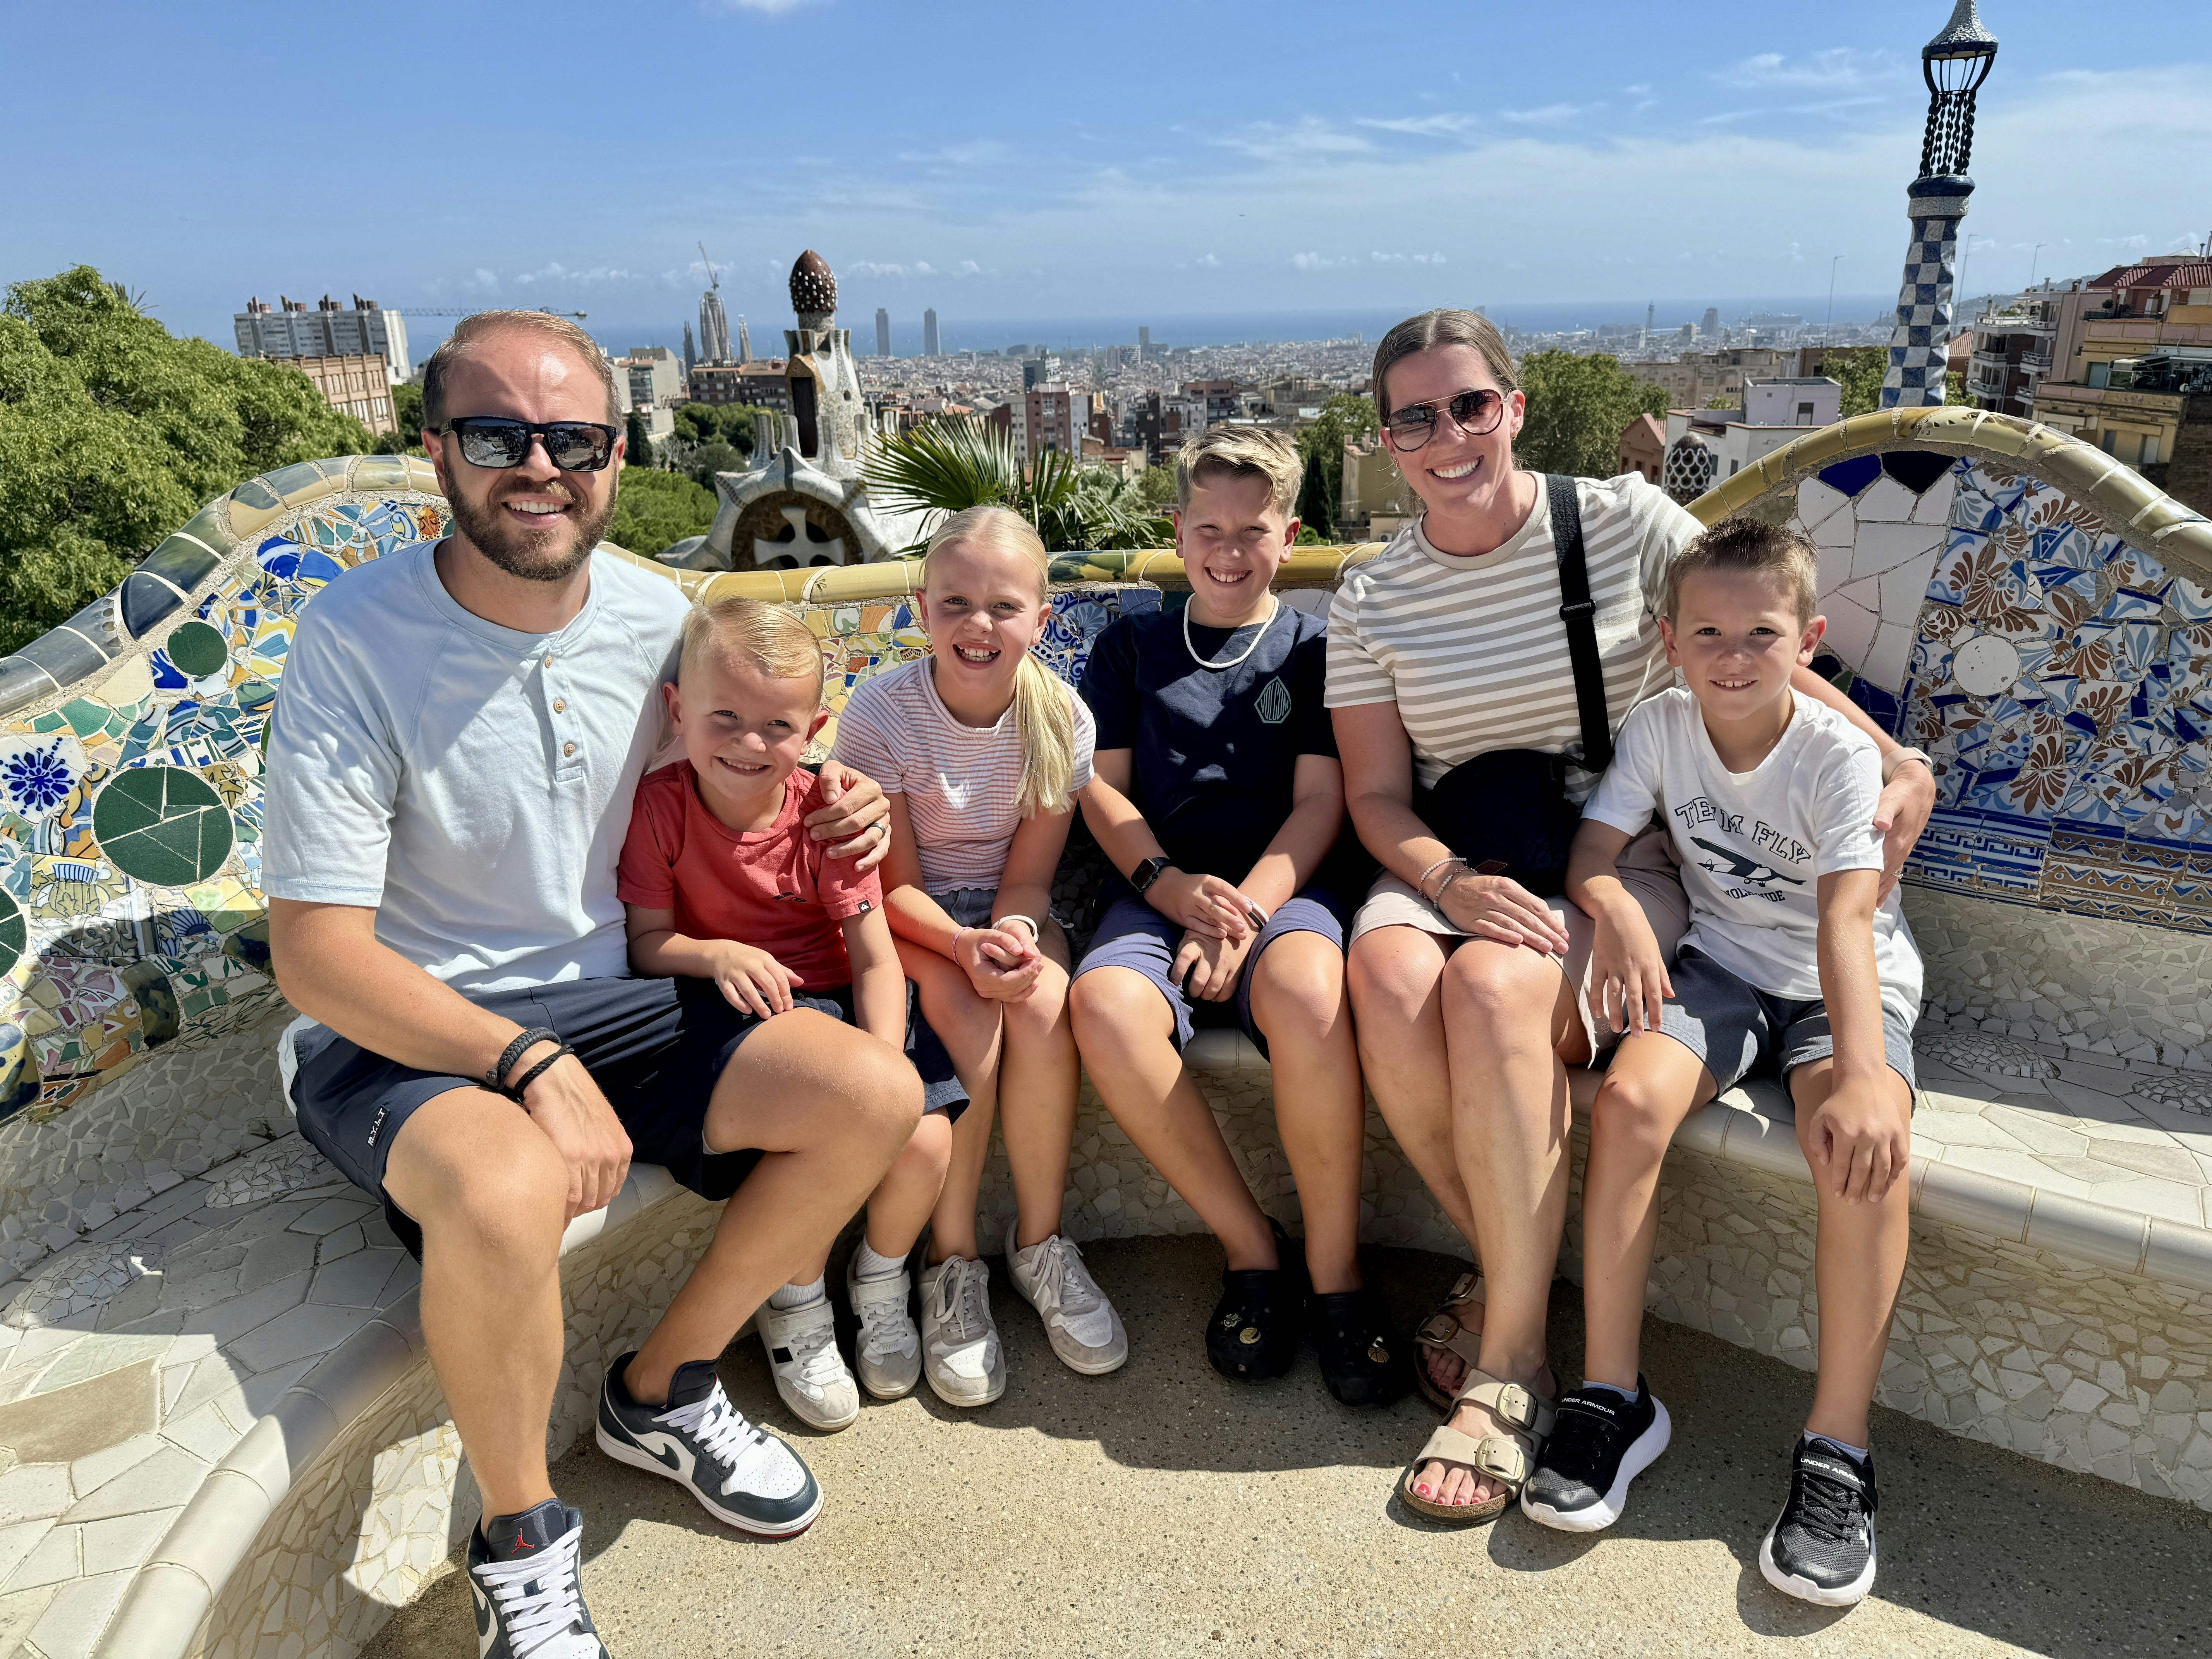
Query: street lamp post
(1955, 65)
(1828, 328)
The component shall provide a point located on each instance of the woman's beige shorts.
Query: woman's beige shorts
(1647, 870)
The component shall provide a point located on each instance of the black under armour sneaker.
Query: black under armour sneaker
(522, 1578)
(743, 1475)
(1598, 1443)
(1822, 1548)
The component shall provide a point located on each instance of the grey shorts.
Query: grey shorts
(1647, 870)
(1737, 1028)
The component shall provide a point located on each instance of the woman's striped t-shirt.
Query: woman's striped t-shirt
(1473, 651)
(961, 782)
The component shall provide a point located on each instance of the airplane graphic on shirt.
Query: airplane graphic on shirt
(1759, 878)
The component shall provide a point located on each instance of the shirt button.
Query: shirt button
(560, 705)
(568, 748)
(549, 661)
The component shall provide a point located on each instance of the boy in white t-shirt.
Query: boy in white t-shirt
(1792, 960)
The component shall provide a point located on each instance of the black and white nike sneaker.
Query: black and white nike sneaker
(743, 1475)
(1598, 1443)
(1822, 1548)
(522, 1578)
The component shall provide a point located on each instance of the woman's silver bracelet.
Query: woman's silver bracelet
(1444, 886)
(1421, 886)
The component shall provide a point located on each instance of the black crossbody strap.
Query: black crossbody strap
(1579, 613)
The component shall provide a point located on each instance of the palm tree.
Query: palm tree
(949, 466)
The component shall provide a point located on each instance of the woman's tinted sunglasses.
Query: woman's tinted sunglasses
(498, 441)
(1411, 425)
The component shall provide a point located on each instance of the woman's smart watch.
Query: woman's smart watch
(1146, 873)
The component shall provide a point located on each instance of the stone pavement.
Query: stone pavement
(1165, 1511)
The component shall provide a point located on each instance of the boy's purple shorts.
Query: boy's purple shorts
(1134, 935)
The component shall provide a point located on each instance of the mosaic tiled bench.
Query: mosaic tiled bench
(219, 1434)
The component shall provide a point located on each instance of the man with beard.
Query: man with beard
(460, 731)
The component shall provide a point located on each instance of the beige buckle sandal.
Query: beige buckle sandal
(1504, 1459)
(1444, 1332)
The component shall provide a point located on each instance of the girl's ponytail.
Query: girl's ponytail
(1044, 716)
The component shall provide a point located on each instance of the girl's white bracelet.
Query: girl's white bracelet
(1036, 933)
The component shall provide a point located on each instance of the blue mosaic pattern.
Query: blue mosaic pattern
(2063, 682)
(1919, 353)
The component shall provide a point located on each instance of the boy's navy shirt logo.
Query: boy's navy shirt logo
(1761, 877)
(1274, 702)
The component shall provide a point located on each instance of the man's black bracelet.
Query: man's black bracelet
(495, 1079)
(523, 1083)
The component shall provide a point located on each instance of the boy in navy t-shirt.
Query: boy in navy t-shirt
(1218, 799)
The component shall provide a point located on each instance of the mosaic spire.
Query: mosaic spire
(1955, 65)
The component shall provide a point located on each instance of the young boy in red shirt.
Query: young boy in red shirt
(722, 881)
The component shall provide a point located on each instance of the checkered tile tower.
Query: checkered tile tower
(1955, 65)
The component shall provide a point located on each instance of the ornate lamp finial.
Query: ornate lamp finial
(1955, 65)
(813, 290)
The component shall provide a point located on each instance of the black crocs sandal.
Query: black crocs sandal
(1256, 1327)
(1365, 1359)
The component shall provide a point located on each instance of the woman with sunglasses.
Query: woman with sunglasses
(1468, 985)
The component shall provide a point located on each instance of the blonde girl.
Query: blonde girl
(981, 750)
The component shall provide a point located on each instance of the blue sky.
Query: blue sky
(1008, 162)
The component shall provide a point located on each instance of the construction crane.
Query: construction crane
(714, 282)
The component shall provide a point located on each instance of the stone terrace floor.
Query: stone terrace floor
(1164, 1511)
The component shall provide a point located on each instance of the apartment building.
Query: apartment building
(1697, 377)
(2137, 379)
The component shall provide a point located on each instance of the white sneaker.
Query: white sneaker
(959, 1343)
(1086, 1330)
(809, 1372)
(887, 1354)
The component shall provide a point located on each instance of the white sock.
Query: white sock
(797, 1296)
(869, 1263)
(1629, 1394)
(1857, 1454)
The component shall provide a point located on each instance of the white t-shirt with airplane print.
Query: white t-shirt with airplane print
(1753, 845)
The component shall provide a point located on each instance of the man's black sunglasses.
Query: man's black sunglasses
(1476, 412)
(499, 442)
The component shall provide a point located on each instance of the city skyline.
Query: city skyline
(1640, 166)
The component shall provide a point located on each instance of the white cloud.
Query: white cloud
(1209, 261)
(1309, 140)
(978, 152)
(1322, 261)
(1380, 259)
(1837, 67)
(1551, 115)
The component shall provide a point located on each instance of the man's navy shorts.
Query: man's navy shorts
(655, 1048)
(1134, 935)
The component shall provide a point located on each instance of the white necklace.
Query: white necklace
(1218, 666)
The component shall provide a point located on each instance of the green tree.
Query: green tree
(1859, 371)
(712, 456)
(727, 423)
(113, 432)
(1346, 414)
(407, 411)
(1156, 487)
(654, 510)
(1577, 408)
(639, 450)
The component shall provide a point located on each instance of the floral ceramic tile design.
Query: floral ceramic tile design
(2062, 681)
